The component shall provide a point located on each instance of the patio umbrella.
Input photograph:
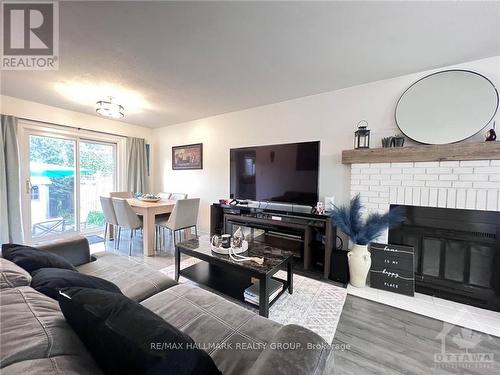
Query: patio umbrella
(54, 171)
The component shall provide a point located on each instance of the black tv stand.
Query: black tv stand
(309, 233)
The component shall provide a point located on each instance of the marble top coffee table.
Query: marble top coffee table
(229, 277)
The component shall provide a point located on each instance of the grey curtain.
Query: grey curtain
(137, 174)
(11, 229)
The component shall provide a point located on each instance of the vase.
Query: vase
(359, 264)
(398, 141)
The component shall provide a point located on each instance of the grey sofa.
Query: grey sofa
(35, 338)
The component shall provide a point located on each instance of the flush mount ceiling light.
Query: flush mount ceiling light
(108, 108)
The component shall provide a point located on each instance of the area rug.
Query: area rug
(314, 304)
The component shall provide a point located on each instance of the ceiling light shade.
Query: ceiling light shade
(109, 109)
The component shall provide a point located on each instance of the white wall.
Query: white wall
(329, 117)
(40, 112)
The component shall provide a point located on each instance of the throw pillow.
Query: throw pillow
(32, 259)
(50, 280)
(125, 337)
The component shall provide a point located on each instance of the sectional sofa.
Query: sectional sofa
(35, 337)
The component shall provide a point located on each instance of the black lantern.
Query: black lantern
(362, 135)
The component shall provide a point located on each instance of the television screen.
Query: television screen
(285, 173)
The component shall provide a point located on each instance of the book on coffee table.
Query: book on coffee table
(251, 293)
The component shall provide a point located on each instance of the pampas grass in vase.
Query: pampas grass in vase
(349, 219)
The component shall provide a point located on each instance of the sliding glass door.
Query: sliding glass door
(51, 186)
(64, 177)
(97, 178)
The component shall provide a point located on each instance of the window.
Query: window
(35, 193)
(68, 169)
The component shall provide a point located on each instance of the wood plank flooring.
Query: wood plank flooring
(386, 340)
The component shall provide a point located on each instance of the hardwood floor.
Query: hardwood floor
(386, 340)
(381, 339)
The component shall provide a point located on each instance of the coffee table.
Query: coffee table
(231, 278)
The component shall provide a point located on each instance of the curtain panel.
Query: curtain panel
(11, 229)
(137, 174)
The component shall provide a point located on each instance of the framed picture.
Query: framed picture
(187, 157)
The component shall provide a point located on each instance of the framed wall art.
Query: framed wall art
(187, 157)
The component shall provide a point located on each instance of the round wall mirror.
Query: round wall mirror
(446, 107)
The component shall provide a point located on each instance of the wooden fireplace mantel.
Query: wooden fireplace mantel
(455, 151)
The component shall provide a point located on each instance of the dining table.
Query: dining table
(148, 211)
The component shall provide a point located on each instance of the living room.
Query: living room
(282, 187)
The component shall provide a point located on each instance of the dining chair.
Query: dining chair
(126, 218)
(121, 194)
(161, 217)
(109, 216)
(160, 235)
(164, 195)
(183, 216)
(177, 196)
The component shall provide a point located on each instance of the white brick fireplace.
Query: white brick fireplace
(470, 184)
(467, 184)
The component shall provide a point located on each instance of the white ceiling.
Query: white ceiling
(171, 62)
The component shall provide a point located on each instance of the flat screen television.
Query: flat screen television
(286, 173)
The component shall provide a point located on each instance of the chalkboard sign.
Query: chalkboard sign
(392, 268)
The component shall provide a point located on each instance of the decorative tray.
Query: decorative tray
(234, 250)
(149, 199)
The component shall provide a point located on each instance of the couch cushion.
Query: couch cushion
(294, 350)
(233, 336)
(50, 280)
(33, 327)
(74, 249)
(126, 337)
(12, 275)
(137, 281)
(31, 258)
(60, 365)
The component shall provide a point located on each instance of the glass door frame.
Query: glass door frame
(78, 182)
(28, 128)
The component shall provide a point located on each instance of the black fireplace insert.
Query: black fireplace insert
(457, 253)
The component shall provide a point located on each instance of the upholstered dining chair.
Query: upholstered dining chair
(109, 216)
(121, 194)
(160, 235)
(126, 218)
(177, 196)
(164, 195)
(183, 216)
